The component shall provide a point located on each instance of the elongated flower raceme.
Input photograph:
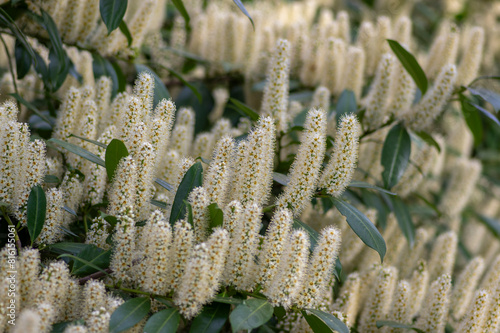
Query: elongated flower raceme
(442, 258)
(464, 287)
(422, 115)
(476, 315)
(471, 60)
(400, 311)
(348, 299)
(275, 99)
(306, 166)
(122, 194)
(355, 68)
(340, 169)
(218, 173)
(124, 240)
(434, 316)
(199, 200)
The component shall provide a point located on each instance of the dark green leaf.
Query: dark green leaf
(361, 184)
(216, 216)
(389, 323)
(299, 120)
(404, 219)
(472, 119)
(429, 140)
(192, 178)
(121, 79)
(395, 155)
(159, 204)
(227, 300)
(189, 85)
(189, 210)
(102, 67)
(124, 29)
(23, 60)
(180, 7)
(362, 226)
(211, 319)
(68, 247)
(164, 184)
(489, 96)
(313, 234)
(50, 179)
(410, 64)
(245, 110)
(83, 261)
(486, 113)
(113, 220)
(112, 12)
(69, 210)
(32, 108)
(97, 143)
(250, 314)
(323, 322)
(35, 211)
(160, 91)
(346, 104)
(164, 321)
(61, 327)
(244, 10)
(93, 255)
(128, 314)
(115, 151)
(78, 151)
(281, 178)
(492, 224)
(7, 21)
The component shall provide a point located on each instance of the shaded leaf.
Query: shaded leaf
(164, 184)
(404, 219)
(361, 184)
(164, 321)
(362, 226)
(323, 322)
(245, 110)
(124, 29)
(159, 204)
(227, 300)
(112, 12)
(486, 113)
(180, 7)
(410, 64)
(429, 140)
(93, 255)
(83, 261)
(50, 179)
(189, 85)
(68, 247)
(492, 224)
(115, 151)
(35, 211)
(489, 96)
(32, 108)
(395, 155)
(160, 91)
(23, 60)
(472, 119)
(129, 313)
(216, 216)
(102, 67)
(250, 314)
(211, 319)
(7, 21)
(193, 178)
(346, 104)
(78, 151)
(97, 143)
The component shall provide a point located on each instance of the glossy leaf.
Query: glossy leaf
(68, 247)
(410, 64)
(250, 314)
(472, 119)
(362, 226)
(159, 204)
(112, 12)
(489, 96)
(212, 319)
(216, 216)
(324, 322)
(124, 29)
(492, 224)
(102, 67)
(50, 179)
(227, 300)
(78, 151)
(128, 314)
(23, 59)
(429, 140)
(115, 151)
(182, 10)
(93, 255)
(83, 261)
(281, 178)
(35, 211)
(164, 184)
(164, 321)
(395, 155)
(361, 184)
(8, 22)
(160, 91)
(389, 323)
(193, 178)
(346, 104)
(97, 143)
(244, 10)
(245, 110)
(486, 113)
(404, 219)
(187, 84)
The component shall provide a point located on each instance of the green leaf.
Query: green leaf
(211, 319)
(102, 67)
(50, 179)
(244, 10)
(281, 178)
(313, 234)
(61, 327)
(7, 21)
(346, 104)
(227, 300)
(97, 143)
(32, 108)
(68, 247)
(69, 210)
(115, 151)
(85, 262)
(159, 204)
(361, 184)
(472, 119)
(245, 110)
(404, 219)
(250, 314)
(216, 216)
(78, 151)
(164, 184)
(112, 12)
(124, 29)
(429, 140)
(180, 7)
(187, 84)
(129, 313)
(389, 323)
(164, 321)
(160, 91)
(489, 96)
(486, 113)
(23, 60)
(323, 322)
(492, 224)
(410, 64)
(193, 178)
(395, 155)
(362, 226)
(93, 255)
(112, 220)
(35, 211)
(120, 77)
